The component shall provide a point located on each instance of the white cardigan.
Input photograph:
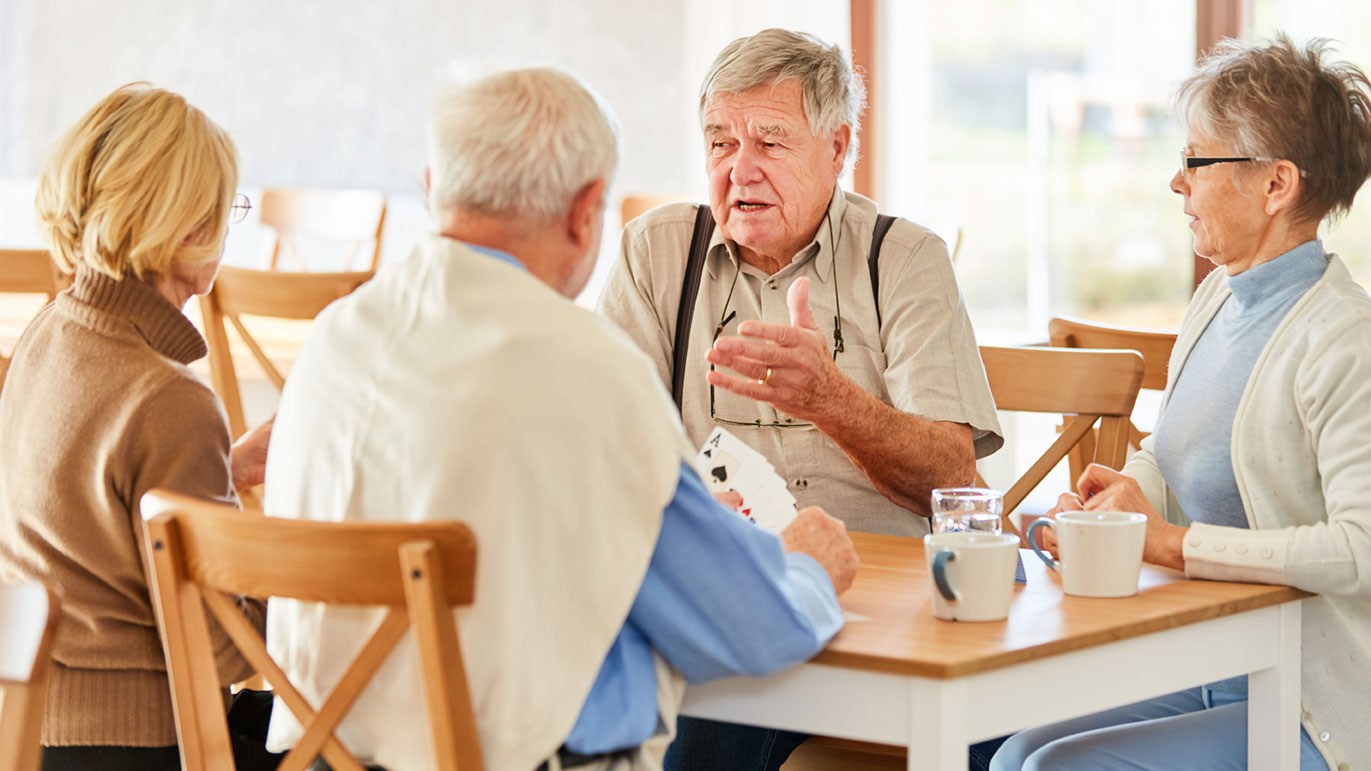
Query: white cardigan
(1302, 459)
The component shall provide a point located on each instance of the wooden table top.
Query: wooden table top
(893, 591)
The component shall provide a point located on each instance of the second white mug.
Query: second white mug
(1101, 551)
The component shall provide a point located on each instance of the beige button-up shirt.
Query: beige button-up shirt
(921, 357)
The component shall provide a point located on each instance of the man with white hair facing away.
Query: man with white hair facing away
(462, 383)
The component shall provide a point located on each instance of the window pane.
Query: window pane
(1051, 143)
(1348, 24)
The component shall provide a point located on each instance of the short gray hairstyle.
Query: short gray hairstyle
(1273, 99)
(833, 93)
(519, 143)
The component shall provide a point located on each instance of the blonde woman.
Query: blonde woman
(100, 407)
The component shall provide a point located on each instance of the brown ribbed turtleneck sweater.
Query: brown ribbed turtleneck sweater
(99, 407)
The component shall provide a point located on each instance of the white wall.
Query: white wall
(327, 93)
(332, 93)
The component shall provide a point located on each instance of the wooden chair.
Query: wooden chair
(351, 218)
(1087, 387)
(634, 205)
(1155, 347)
(951, 234)
(273, 294)
(29, 614)
(204, 554)
(28, 271)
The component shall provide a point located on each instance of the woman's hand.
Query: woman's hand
(248, 457)
(1104, 489)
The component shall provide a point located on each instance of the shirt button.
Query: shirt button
(1220, 546)
(1304, 715)
(1195, 542)
(1242, 548)
(772, 284)
(1325, 736)
(1266, 552)
(1344, 767)
(801, 484)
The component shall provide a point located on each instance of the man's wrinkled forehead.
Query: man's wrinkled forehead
(761, 129)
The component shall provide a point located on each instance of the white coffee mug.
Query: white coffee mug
(1101, 551)
(973, 574)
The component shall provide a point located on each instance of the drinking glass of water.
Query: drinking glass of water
(970, 509)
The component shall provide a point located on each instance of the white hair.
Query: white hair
(833, 94)
(519, 143)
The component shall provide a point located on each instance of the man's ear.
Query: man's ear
(842, 138)
(1283, 187)
(586, 207)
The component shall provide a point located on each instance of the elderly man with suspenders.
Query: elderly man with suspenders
(831, 339)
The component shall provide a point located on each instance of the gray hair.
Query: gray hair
(519, 143)
(1272, 99)
(833, 94)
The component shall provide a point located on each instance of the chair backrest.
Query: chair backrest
(28, 271)
(951, 234)
(1089, 387)
(1154, 346)
(29, 613)
(634, 205)
(204, 554)
(274, 294)
(350, 218)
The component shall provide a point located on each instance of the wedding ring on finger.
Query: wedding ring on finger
(765, 378)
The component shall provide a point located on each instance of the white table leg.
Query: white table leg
(937, 731)
(1273, 709)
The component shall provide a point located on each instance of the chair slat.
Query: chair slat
(204, 554)
(29, 617)
(1089, 387)
(240, 292)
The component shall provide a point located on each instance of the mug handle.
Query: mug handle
(1033, 543)
(940, 561)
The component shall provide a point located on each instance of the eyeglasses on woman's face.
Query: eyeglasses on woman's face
(239, 209)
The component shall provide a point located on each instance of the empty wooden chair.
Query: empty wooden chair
(350, 219)
(203, 554)
(242, 292)
(1154, 346)
(1093, 389)
(633, 206)
(28, 271)
(29, 613)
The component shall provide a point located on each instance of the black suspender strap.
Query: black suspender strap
(883, 223)
(690, 289)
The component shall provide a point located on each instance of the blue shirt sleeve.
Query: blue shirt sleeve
(722, 597)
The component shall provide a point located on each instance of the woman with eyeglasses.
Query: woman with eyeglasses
(100, 406)
(1260, 466)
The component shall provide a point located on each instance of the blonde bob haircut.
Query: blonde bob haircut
(142, 182)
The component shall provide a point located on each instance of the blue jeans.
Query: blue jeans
(1194, 728)
(707, 745)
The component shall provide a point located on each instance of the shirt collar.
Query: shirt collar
(821, 249)
(496, 253)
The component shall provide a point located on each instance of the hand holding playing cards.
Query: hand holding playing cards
(789, 366)
(1104, 489)
(825, 539)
